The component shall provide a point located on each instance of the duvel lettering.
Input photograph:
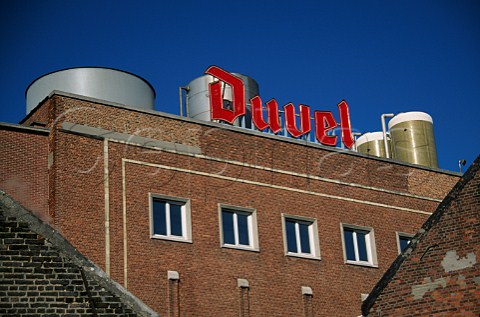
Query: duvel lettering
(323, 120)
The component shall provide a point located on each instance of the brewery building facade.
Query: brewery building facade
(202, 218)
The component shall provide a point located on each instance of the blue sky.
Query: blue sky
(380, 56)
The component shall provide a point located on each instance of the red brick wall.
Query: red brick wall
(263, 151)
(442, 275)
(208, 273)
(78, 190)
(23, 172)
(41, 114)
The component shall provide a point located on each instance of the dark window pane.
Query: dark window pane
(291, 240)
(348, 237)
(159, 219)
(362, 246)
(404, 241)
(227, 226)
(304, 238)
(242, 220)
(176, 220)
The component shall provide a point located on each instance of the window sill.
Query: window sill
(240, 247)
(357, 263)
(303, 256)
(171, 238)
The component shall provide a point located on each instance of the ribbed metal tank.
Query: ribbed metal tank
(371, 143)
(96, 82)
(199, 101)
(412, 138)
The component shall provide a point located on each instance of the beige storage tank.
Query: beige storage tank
(371, 143)
(412, 138)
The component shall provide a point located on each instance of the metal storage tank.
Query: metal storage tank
(199, 102)
(412, 138)
(371, 143)
(95, 82)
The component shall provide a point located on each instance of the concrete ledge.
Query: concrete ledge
(128, 138)
(23, 128)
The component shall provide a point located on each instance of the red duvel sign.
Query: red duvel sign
(323, 120)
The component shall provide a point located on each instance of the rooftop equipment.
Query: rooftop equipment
(96, 82)
(199, 103)
(371, 143)
(412, 138)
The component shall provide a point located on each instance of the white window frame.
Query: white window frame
(402, 235)
(363, 296)
(186, 218)
(369, 242)
(312, 234)
(252, 227)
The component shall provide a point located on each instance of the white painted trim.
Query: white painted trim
(252, 227)
(369, 241)
(173, 275)
(402, 234)
(106, 187)
(245, 181)
(306, 290)
(124, 215)
(312, 234)
(409, 116)
(186, 218)
(124, 198)
(270, 169)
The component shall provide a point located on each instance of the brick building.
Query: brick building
(200, 218)
(439, 273)
(42, 274)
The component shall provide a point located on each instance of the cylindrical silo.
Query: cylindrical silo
(412, 138)
(96, 82)
(199, 101)
(371, 143)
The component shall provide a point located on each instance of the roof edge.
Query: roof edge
(239, 130)
(23, 128)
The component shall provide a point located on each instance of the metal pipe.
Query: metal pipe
(384, 130)
(89, 294)
(355, 135)
(187, 109)
(180, 94)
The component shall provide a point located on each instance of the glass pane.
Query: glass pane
(362, 246)
(291, 240)
(176, 220)
(227, 226)
(242, 220)
(349, 249)
(159, 219)
(304, 238)
(404, 241)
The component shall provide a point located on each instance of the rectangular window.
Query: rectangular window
(170, 218)
(358, 245)
(301, 237)
(238, 227)
(403, 240)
